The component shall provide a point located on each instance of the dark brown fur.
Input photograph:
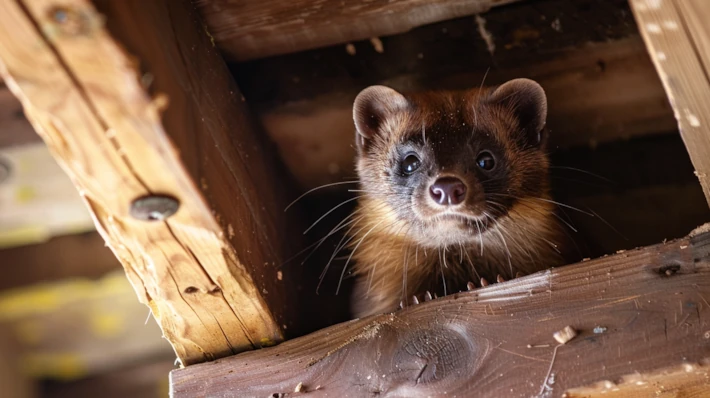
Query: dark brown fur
(403, 244)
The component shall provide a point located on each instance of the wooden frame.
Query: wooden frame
(208, 271)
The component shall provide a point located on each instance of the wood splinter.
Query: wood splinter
(565, 335)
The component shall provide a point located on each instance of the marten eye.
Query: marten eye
(410, 163)
(485, 161)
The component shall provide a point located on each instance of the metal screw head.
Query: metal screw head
(154, 207)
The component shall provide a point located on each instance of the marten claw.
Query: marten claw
(500, 279)
(415, 300)
(401, 304)
(484, 282)
(427, 296)
(470, 286)
(518, 274)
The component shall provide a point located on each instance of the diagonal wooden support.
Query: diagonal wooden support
(677, 37)
(635, 312)
(135, 102)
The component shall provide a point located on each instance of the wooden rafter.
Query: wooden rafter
(635, 312)
(677, 36)
(134, 102)
(256, 28)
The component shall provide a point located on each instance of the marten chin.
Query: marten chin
(454, 188)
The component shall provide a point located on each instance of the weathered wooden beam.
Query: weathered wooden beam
(677, 36)
(208, 271)
(594, 67)
(255, 29)
(634, 312)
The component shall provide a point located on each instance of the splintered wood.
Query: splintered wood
(677, 36)
(498, 341)
(84, 94)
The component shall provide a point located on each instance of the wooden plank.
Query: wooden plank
(206, 270)
(255, 29)
(634, 312)
(69, 256)
(677, 36)
(681, 381)
(38, 199)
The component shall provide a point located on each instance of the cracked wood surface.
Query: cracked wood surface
(677, 37)
(635, 312)
(133, 100)
(260, 28)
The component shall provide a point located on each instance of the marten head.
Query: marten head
(444, 168)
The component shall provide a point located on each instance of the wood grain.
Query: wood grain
(677, 36)
(83, 89)
(255, 29)
(634, 312)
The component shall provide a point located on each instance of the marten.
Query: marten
(454, 188)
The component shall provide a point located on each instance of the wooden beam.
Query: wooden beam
(678, 39)
(254, 29)
(63, 257)
(208, 272)
(633, 312)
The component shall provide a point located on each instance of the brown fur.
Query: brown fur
(402, 245)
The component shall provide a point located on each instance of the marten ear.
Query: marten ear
(373, 106)
(527, 100)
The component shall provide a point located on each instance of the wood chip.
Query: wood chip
(565, 335)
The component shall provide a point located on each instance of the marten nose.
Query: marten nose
(448, 191)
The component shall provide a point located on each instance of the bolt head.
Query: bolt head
(154, 207)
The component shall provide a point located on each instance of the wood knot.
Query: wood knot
(669, 269)
(73, 21)
(434, 355)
